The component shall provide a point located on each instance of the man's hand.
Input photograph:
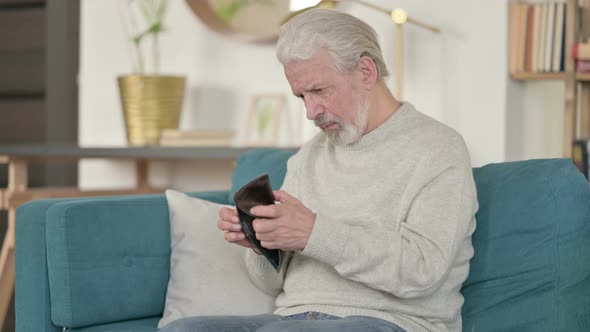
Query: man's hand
(285, 226)
(230, 224)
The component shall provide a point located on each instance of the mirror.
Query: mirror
(255, 21)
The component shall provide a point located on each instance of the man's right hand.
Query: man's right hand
(229, 222)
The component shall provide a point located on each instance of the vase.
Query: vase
(150, 104)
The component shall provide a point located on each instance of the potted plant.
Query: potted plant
(151, 102)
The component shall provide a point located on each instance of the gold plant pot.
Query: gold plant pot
(150, 103)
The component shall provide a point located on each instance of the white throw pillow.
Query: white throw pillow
(207, 275)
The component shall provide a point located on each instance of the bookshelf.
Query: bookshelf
(528, 76)
(574, 97)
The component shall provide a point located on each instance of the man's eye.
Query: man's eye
(318, 91)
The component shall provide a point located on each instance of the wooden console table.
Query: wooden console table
(19, 156)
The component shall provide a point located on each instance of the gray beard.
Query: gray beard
(348, 133)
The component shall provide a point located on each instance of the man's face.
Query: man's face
(330, 96)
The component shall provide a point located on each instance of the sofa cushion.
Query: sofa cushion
(531, 267)
(208, 275)
(256, 162)
(138, 325)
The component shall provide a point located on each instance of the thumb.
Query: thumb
(282, 196)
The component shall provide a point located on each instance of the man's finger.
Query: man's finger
(229, 215)
(228, 226)
(265, 211)
(245, 243)
(234, 237)
(281, 196)
(264, 236)
(264, 226)
(226, 213)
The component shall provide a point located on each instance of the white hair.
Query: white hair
(344, 36)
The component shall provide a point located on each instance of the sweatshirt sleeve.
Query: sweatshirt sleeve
(263, 275)
(261, 272)
(412, 260)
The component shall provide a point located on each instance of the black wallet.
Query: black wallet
(256, 192)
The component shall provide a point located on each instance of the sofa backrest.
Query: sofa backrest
(531, 269)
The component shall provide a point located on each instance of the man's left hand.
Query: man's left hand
(285, 226)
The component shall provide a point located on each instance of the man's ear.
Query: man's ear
(368, 70)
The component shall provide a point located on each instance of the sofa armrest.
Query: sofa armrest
(88, 261)
(32, 306)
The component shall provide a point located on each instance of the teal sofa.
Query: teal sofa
(101, 264)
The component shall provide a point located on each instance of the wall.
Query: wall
(458, 77)
(534, 121)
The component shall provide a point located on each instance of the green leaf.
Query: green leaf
(145, 11)
(155, 28)
(162, 10)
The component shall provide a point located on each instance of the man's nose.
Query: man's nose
(313, 108)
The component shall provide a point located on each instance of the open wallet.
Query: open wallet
(256, 192)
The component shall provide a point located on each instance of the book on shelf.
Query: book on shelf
(549, 34)
(583, 66)
(559, 39)
(536, 36)
(181, 138)
(542, 7)
(582, 51)
(530, 40)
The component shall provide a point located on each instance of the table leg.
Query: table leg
(17, 181)
(141, 169)
(7, 267)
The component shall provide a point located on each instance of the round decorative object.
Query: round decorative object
(255, 21)
(399, 16)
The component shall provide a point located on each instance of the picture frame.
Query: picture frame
(306, 129)
(264, 118)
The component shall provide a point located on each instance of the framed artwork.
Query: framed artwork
(264, 119)
(306, 129)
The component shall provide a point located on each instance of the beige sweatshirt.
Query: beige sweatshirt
(392, 235)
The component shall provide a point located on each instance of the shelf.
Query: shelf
(37, 152)
(523, 76)
(583, 77)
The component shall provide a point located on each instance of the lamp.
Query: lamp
(398, 16)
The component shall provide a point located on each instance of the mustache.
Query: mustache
(325, 119)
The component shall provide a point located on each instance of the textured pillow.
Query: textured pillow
(207, 275)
